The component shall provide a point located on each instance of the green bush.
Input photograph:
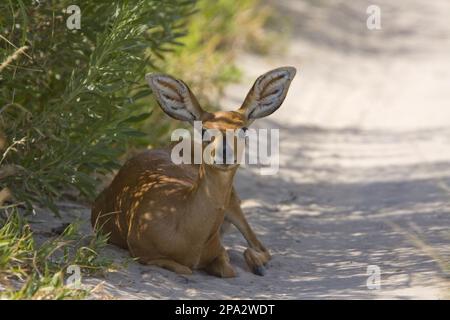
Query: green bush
(69, 98)
(72, 102)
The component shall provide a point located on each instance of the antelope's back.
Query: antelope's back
(148, 179)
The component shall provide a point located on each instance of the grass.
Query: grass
(29, 270)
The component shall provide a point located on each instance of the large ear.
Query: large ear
(268, 93)
(174, 97)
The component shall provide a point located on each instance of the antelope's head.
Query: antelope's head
(265, 97)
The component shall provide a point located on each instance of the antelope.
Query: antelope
(171, 215)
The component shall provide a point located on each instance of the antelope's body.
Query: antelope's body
(168, 206)
(171, 215)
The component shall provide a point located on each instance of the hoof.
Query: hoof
(259, 270)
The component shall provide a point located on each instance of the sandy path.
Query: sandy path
(365, 144)
(365, 164)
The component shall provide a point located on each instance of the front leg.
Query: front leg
(256, 255)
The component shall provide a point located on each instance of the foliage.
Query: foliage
(32, 271)
(71, 101)
(68, 98)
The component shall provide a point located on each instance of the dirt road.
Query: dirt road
(365, 147)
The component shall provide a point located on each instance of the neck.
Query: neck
(215, 184)
(210, 194)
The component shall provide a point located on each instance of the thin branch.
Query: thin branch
(13, 57)
(2, 37)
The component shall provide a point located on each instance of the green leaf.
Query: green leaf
(138, 118)
(133, 133)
